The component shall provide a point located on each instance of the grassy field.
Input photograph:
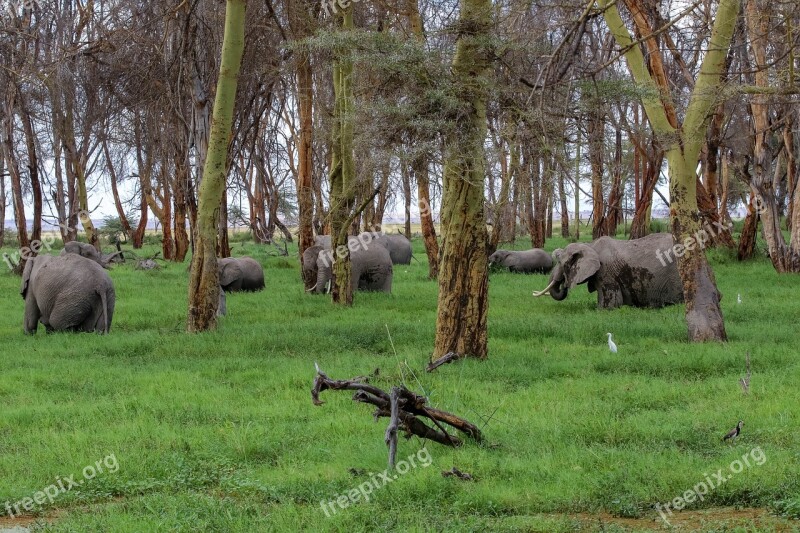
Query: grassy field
(217, 431)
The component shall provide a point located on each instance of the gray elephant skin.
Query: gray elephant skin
(622, 272)
(399, 247)
(67, 293)
(371, 270)
(240, 274)
(523, 261)
(310, 265)
(88, 251)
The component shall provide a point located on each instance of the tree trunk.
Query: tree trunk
(420, 169)
(613, 215)
(703, 313)
(223, 242)
(179, 205)
(406, 200)
(305, 109)
(640, 225)
(596, 130)
(723, 200)
(33, 172)
(3, 200)
(463, 280)
(577, 189)
(763, 184)
(13, 171)
(501, 204)
(562, 196)
(793, 197)
(538, 212)
(203, 281)
(342, 176)
(112, 173)
(747, 240)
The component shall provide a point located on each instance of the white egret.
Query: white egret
(738, 298)
(611, 345)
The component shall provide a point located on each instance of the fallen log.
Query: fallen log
(405, 409)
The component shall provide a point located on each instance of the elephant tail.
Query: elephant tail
(104, 304)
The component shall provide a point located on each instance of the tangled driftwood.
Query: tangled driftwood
(405, 410)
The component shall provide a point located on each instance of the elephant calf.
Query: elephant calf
(240, 274)
(525, 261)
(88, 251)
(67, 293)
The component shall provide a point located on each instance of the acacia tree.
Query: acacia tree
(682, 143)
(342, 174)
(203, 281)
(463, 281)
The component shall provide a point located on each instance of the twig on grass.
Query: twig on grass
(449, 357)
(455, 472)
(745, 381)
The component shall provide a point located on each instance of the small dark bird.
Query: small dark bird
(732, 434)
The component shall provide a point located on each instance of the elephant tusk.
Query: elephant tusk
(544, 291)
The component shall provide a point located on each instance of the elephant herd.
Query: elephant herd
(73, 291)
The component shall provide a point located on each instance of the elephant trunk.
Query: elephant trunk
(557, 289)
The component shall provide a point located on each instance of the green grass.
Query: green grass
(217, 432)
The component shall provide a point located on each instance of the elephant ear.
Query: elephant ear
(584, 263)
(228, 273)
(26, 277)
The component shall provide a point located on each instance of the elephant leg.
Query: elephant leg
(32, 315)
(387, 282)
(609, 297)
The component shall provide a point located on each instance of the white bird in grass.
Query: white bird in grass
(611, 345)
(738, 298)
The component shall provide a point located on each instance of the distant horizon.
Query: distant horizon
(391, 218)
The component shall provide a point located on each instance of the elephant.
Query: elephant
(371, 270)
(90, 252)
(67, 293)
(525, 261)
(310, 265)
(622, 272)
(399, 247)
(240, 274)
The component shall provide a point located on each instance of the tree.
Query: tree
(463, 280)
(203, 281)
(682, 145)
(342, 173)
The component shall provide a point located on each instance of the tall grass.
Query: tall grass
(217, 432)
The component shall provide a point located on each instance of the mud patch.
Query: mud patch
(702, 520)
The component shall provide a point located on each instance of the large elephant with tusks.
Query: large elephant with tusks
(621, 272)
